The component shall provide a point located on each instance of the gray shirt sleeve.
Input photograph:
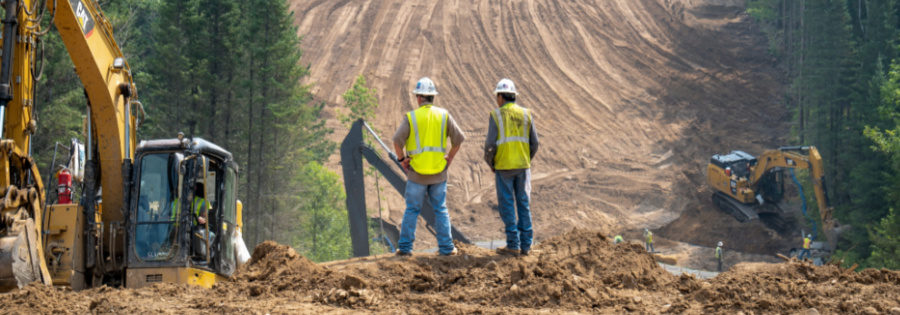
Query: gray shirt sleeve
(490, 144)
(533, 141)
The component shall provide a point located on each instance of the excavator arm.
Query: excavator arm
(802, 158)
(353, 150)
(112, 102)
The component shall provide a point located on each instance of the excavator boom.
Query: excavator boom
(745, 182)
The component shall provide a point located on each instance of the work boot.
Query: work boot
(525, 251)
(452, 253)
(402, 253)
(507, 251)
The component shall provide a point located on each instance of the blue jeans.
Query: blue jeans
(437, 195)
(513, 195)
(804, 252)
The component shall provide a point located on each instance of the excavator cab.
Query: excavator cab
(174, 179)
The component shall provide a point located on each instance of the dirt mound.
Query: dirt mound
(788, 287)
(577, 271)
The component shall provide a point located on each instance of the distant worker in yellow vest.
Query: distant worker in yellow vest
(719, 257)
(648, 237)
(511, 143)
(618, 239)
(806, 242)
(423, 133)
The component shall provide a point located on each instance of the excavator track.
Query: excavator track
(739, 211)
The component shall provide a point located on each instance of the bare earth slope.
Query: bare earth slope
(631, 98)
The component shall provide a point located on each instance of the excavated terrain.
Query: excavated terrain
(631, 98)
(580, 271)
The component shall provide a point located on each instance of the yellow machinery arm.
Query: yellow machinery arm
(110, 89)
(803, 158)
(112, 96)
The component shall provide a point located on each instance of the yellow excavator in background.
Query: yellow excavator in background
(147, 226)
(747, 186)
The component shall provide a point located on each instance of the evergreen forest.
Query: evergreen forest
(227, 71)
(843, 68)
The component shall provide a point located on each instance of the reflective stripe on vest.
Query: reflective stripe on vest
(197, 206)
(806, 242)
(513, 149)
(425, 144)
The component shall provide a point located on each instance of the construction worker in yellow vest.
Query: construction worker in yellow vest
(719, 257)
(510, 146)
(618, 239)
(199, 205)
(648, 237)
(806, 242)
(423, 135)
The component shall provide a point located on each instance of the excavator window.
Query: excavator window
(158, 206)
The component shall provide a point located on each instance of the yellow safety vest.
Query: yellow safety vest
(427, 141)
(649, 237)
(513, 129)
(196, 204)
(618, 239)
(806, 242)
(718, 252)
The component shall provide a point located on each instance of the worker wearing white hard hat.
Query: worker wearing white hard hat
(719, 257)
(421, 143)
(512, 142)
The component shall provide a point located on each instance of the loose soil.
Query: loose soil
(631, 98)
(580, 271)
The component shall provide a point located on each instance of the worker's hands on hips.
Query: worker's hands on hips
(405, 163)
(201, 220)
(449, 160)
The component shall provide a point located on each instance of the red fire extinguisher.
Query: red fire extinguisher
(65, 187)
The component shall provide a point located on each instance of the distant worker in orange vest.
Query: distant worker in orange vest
(806, 242)
(424, 134)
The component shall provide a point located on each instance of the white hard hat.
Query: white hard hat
(425, 87)
(808, 235)
(720, 244)
(505, 86)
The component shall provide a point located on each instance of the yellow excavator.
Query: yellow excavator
(747, 186)
(151, 211)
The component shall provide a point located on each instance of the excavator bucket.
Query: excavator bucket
(20, 259)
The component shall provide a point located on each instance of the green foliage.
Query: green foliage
(845, 102)
(885, 242)
(361, 101)
(763, 10)
(326, 234)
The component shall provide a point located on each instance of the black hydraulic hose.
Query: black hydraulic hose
(10, 35)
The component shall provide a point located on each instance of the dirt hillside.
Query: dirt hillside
(631, 98)
(580, 271)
